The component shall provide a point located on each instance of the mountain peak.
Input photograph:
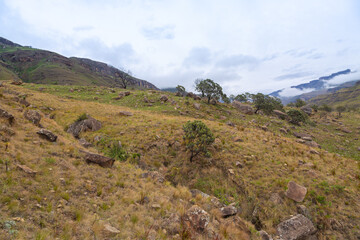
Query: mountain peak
(7, 43)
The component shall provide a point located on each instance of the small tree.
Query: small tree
(197, 138)
(209, 88)
(266, 103)
(340, 109)
(299, 103)
(181, 90)
(296, 116)
(315, 107)
(241, 97)
(124, 79)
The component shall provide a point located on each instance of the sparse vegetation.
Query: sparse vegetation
(197, 138)
(296, 116)
(266, 103)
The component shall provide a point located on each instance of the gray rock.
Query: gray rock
(8, 116)
(126, 113)
(296, 228)
(296, 192)
(84, 143)
(280, 114)
(164, 98)
(264, 235)
(33, 116)
(228, 211)
(89, 124)
(48, 135)
(197, 219)
(197, 106)
(307, 110)
(301, 209)
(244, 108)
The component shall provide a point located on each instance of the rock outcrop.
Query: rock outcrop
(89, 124)
(99, 160)
(33, 116)
(296, 192)
(244, 108)
(296, 228)
(46, 134)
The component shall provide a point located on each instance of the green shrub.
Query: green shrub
(197, 138)
(299, 103)
(82, 117)
(325, 108)
(117, 152)
(296, 116)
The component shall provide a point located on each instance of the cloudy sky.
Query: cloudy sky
(257, 45)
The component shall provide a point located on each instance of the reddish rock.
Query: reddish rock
(296, 192)
(26, 169)
(125, 113)
(46, 134)
(228, 211)
(8, 116)
(99, 159)
(33, 116)
(197, 219)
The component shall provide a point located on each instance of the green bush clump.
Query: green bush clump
(198, 137)
(118, 152)
(296, 116)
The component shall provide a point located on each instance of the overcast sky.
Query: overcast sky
(257, 45)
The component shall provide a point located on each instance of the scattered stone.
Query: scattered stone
(99, 159)
(231, 171)
(301, 135)
(1, 84)
(26, 169)
(307, 138)
(300, 141)
(296, 228)
(16, 82)
(280, 114)
(110, 230)
(195, 192)
(244, 108)
(237, 139)
(197, 106)
(313, 151)
(264, 235)
(213, 101)
(239, 164)
(345, 130)
(276, 198)
(8, 116)
(296, 192)
(307, 110)
(48, 135)
(171, 224)
(7, 130)
(231, 124)
(228, 211)
(197, 219)
(301, 209)
(265, 128)
(283, 130)
(126, 113)
(24, 102)
(89, 124)
(164, 98)
(156, 206)
(312, 144)
(84, 143)
(127, 93)
(33, 116)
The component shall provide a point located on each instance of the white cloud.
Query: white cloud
(290, 92)
(244, 45)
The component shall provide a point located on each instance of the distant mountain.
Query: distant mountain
(318, 86)
(40, 66)
(347, 96)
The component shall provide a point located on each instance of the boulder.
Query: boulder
(26, 169)
(307, 110)
(301, 135)
(264, 235)
(110, 230)
(197, 106)
(197, 219)
(244, 108)
(280, 114)
(228, 211)
(164, 98)
(154, 175)
(301, 209)
(89, 124)
(46, 134)
(8, 131)
(84, 143)
(283, 130)
(195, 192)
(23, 101)
(296, 192)
(33, 116)
(193, 96)
(171, 224)
(296, 228)
(8, 116)
(213, 101)
(125, 113)
(99, 159)
(312, 144)
(16, 82)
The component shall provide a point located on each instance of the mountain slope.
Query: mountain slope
(348, 97)
(40, 66)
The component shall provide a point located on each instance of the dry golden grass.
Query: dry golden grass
(270, 161)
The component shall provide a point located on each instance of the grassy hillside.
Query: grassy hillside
(348, 97)
(39, 66)
(250, 165)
